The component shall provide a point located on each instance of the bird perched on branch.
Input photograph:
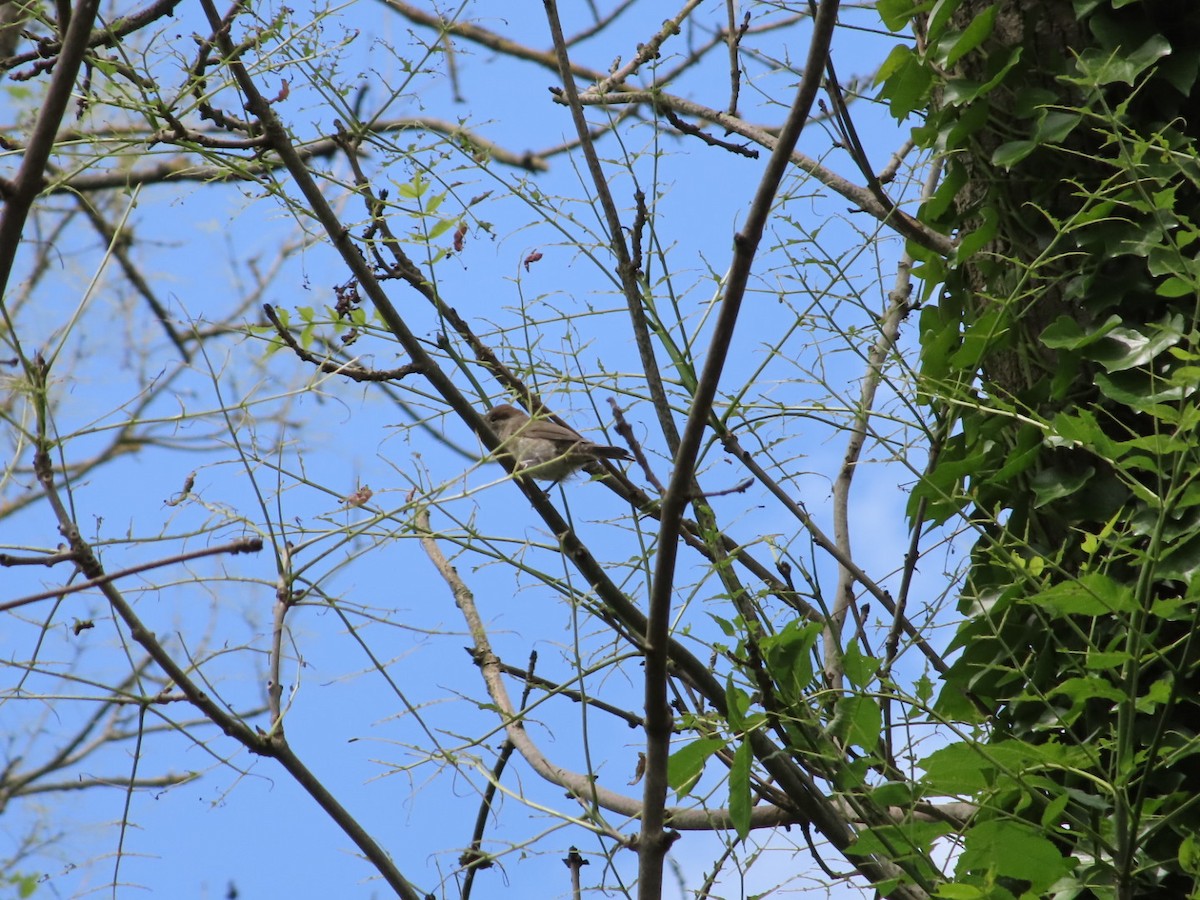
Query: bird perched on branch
(543, 449)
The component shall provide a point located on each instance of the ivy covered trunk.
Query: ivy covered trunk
(1062, 356)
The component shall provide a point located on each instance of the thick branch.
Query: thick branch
(23, 190)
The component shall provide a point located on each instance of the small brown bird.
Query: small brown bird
(543, 449)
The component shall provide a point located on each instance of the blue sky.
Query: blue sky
(244, 822)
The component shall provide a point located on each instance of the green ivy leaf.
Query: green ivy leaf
(943, 198)
(1144, 391)
(938, 19)
(974, 241)
(960, 91)
(896, 14)
(973, 35)
(1065, 333)
(1056, 124)
(1008, 155)
(1126, 348)
(1100, 67)
(906, 81)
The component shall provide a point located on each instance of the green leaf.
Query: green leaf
(866, 723)
(943, 488)
(973, 35)
(954, 770)
(896, 14)
(1126, 348)
(974, 241)
(1144, 391)
(1182, 563)
(1054, 483)
(1052, 814)
(1100, 67)
(1102, 660)
(938, 18)
(1175, 287)
(1189, 854)
(857, 721)
(1056, 124)
(1160, 692)
(943, 198)
(924, 689)
(686, 765)
(739, 790)
(1009, 849)
(1052, 127)
(1009, 154)
(1180, 70)
(897, 59)
(1094, 594)
(961, 91)
(1080, 690)
(725, 625)
(905, 80)
(1065, 333)
(788, 655)
(959, 892)
(413, 189)
(737, 703)
(893, 793)
(898, 841)
(859, 668)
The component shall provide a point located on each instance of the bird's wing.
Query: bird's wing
(550, 431)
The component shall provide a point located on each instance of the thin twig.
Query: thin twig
(473, 858)
(654, 842)
(733, 37)
(349, 368)
(242, 545)
(626, 273)
(889, 330)
(580, 786)
(120, 239)
(646, 50)
(679, 125)
(28, 183)
(861, 197)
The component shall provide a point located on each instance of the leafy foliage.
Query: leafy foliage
(1062, 359)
